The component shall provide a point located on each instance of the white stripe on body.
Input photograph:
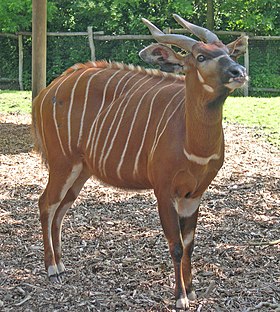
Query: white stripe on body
(85, 105)
(54, 114)
(70, 108)
(133, 122)
(157, 138)
(160, 121)
(104, 120)
(117, 86)
(102, 158)
(136, 163)
(99, 112)
(41, 107)
(94, 141)
(101, 109)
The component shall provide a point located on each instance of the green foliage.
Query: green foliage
(257, 16)
(110, 16)
(16, 15)
(260, 17)
(64, 52)
(264, 64)
(124, 17)
(8, 57)
(115, 16)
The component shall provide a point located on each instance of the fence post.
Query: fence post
(91, 43)
(39, 45)
(246, 64)
(20, 62)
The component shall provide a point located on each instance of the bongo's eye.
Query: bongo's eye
(201, 58)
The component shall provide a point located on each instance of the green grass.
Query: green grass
(261, 113)
(15, 102)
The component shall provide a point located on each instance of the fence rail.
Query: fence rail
(99, 36)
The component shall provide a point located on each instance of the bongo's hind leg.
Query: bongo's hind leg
(60, 213)
(61, 179)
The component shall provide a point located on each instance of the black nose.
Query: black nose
(236, 71)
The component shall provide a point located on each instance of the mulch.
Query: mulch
(115, 253)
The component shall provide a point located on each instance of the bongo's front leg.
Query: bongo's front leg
(171, 227)
(188, 213)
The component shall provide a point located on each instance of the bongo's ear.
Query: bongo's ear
(238, 47)
(163, 56)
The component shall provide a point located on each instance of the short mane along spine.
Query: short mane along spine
(118, 65)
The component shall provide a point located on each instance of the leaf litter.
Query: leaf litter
(114, 250)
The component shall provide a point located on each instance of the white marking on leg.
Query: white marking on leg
(182, 303)
(134, 119)
(201, 160)
(85, 105)
(59, 219)
(76, 170)
(186, 207)
(188, 238)
(60, 267)
(52, 270)
(51, 212)
(192, 296)
(104, 159)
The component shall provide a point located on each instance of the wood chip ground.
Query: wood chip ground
(114, 249)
